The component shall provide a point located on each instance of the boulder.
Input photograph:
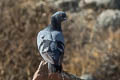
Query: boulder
(66, 5)
(108, 18)
(87, 77)
(110, 4)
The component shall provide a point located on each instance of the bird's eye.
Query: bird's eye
(63, 15)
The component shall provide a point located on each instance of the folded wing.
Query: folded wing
(50, 49)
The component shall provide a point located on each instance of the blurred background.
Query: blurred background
(92, 37)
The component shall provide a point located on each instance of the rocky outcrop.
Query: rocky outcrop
(108, 18)
(87, 77)
(66, 5)
(101, 3)
(77, 5)
(42, 74)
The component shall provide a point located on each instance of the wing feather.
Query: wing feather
(51, 49)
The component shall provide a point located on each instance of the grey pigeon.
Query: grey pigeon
(50, 42)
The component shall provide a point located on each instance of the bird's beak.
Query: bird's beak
(65, 18)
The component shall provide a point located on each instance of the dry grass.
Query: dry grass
(89, 51)
(86, 51)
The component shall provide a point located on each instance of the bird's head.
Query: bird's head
(58, 17)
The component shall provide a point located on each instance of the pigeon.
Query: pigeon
(50, 42)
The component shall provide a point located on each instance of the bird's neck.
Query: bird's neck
(56, 26)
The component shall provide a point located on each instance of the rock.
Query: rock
(66, 5)
(87, 77)
(108, 18)
(97, 2)
(43, 74)
(101, 3)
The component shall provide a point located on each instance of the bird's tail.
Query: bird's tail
(54, 68)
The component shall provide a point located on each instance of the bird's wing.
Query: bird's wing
(43, 40)
(51, 50)
(43, 35)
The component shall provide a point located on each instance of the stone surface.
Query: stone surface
(108, 18)
(43, 74)
(77, 5)
(66, 5)
(87, 77)
(101, 3)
